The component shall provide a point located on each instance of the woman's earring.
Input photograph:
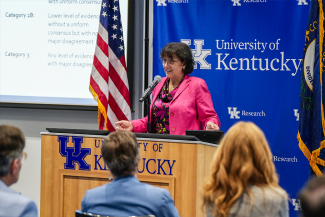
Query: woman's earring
(109, 176)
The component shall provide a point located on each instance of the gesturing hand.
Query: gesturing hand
(212, 126)
(124, 125)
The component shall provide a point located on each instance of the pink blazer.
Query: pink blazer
(190, 109)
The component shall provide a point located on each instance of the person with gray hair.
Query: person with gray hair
(312, 198)
(12, 203)
(126, 195)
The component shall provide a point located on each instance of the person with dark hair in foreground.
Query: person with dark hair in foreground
(312, 198)
(180, 102)
(243, 181)
(12, 203)
(126, 195)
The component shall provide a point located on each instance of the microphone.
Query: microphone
(148, 91)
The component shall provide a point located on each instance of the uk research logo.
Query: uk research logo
(177, 1)
(236, 3)
(74, 154)
(296, 114)
(296, 204)
(233, 113)
(199, 53)
(161, 2)
(285, 159)
(302, 2)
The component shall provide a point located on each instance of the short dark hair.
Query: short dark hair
(120, 151)
(312, 198)
(182, 51)
(12, 143)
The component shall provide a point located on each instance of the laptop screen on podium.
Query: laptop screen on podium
(78, 131)
(213, 137)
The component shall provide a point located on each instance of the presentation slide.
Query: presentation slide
(47, 49)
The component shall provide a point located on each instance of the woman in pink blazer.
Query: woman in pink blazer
(179, 102)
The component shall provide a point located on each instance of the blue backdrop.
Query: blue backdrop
(249, 53)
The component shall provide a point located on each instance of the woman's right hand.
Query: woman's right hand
(124, 125)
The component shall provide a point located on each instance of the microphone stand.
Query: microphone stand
(148, 102)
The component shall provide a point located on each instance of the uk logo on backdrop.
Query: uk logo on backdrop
(226, 62)
(302, 2)
(163, 2)
(296, 114)
(296, 204)
(199, 53)
(285, 159)
(236, 3)
(234, 114)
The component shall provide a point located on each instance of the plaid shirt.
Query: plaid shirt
(266, 203)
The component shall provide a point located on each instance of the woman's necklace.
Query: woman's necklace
(171, 86)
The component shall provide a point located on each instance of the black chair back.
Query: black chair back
(83, 214)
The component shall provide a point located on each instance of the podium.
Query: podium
(72, 164)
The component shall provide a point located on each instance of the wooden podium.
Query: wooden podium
(179, 166)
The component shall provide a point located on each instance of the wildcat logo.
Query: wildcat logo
(296, 114)
(74, 154)
(234, 113)
(302, 2)
(296, 204)
(236, 3)
(161, 2)
(199, 53)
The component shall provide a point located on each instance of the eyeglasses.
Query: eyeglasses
(23, 156)
(168, 62)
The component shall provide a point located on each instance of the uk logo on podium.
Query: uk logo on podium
(74, 154)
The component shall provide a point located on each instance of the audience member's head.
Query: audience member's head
(120, 151)
(312, 198)
(243, 158)
(12, 143)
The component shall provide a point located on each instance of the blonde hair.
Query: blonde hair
(243, 158)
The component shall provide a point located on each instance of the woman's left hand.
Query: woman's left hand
(212, 126)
